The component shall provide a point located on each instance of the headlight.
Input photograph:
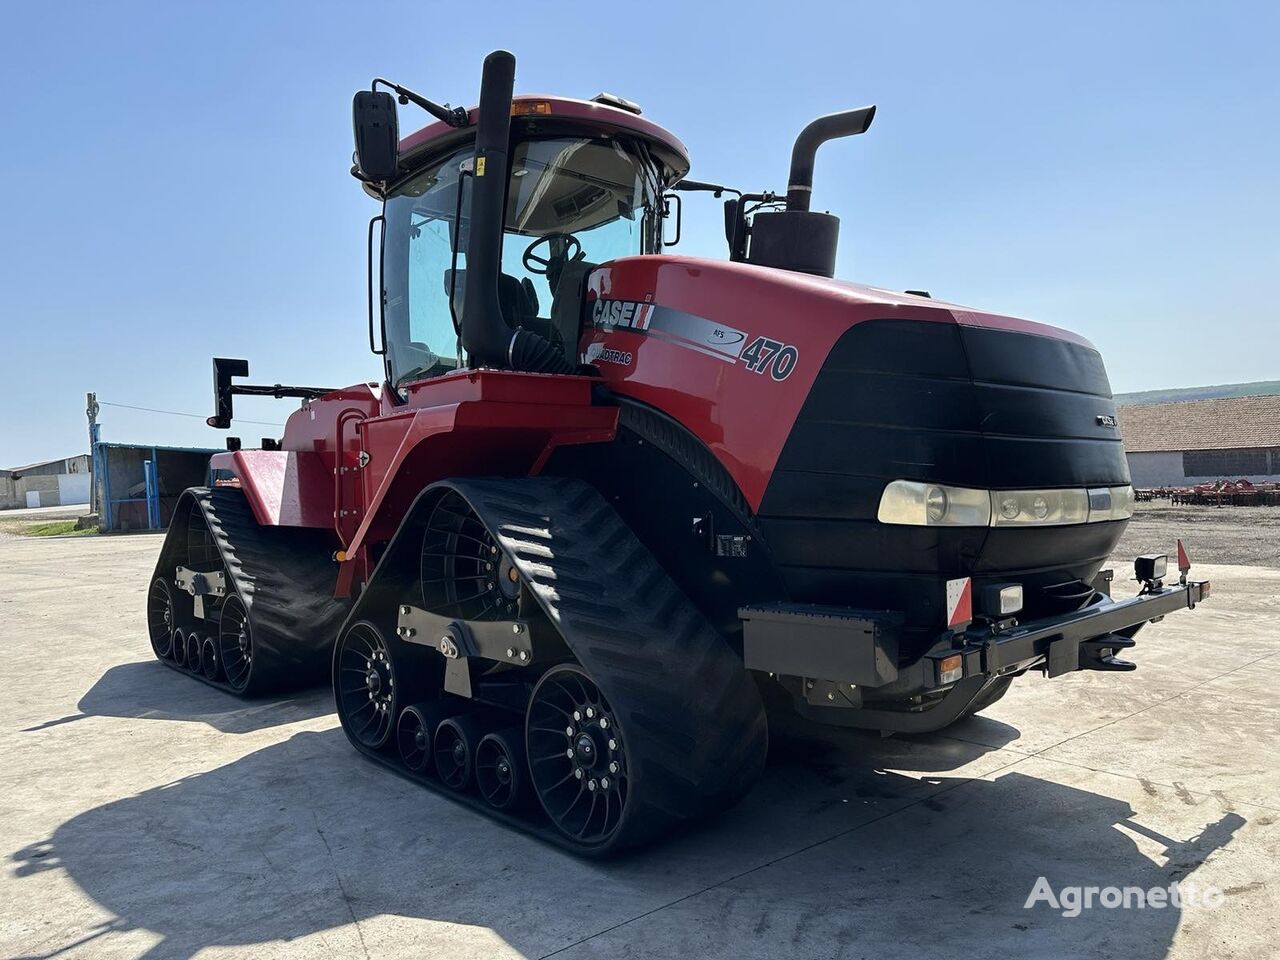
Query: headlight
(1110, 503)
(934, 505)
(1044, 507)
(937, 505)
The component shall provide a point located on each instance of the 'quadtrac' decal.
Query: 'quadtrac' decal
(691, 332)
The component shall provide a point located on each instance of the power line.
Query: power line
(178, 413)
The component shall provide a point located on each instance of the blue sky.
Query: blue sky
(175, 176)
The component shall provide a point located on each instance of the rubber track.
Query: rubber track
(693, 722)
(284, 576)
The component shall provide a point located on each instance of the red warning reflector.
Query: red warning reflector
(1184, 562)
(959, 602)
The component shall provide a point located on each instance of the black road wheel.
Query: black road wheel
(161, 618)
(194, 643)
(413, 736)
(577, 757)
(453, 749)
(235, 644)
(180, 647)
(365, 685)
(464, 574)
(209, 658)
(202, 552)
(501, 768)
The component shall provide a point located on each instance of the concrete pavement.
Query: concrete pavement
(143, 814)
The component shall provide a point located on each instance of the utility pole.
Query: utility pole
(91, 411)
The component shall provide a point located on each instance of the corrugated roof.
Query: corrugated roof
(1224, 424)
(44, 463)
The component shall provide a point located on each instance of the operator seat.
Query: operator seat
(518, 299)
(566, 306)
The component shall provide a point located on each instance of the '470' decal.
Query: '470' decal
(689, 332)
(763, 354)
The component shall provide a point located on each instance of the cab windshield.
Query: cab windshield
(572, 203)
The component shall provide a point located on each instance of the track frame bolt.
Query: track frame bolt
(524, 656)
(590, 712)
(613, 744)
(577, 715)
(604, 783)
(613, 766)
(511, 653)
(604, 723)
(568, 732)
(577, 772)
(591, 784)
(569, 753)
(404, 610)
(517, 629)
(831, 696)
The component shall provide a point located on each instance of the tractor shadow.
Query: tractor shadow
(305, 839)
(149, 690)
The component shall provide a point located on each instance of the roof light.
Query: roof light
(613, 100)
(528, 108)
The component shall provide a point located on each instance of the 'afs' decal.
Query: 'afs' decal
(691, 332)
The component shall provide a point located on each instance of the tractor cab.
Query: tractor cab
(585, 185)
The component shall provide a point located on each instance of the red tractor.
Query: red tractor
(606, 501)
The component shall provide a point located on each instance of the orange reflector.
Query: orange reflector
(525, 108)
(950, 669)
(340, 556)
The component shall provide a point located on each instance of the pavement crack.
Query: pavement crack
(342, 889)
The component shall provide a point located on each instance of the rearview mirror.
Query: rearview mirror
(377, 133)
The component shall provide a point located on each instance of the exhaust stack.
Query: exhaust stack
(485, 333)
(848, 123)
(796, 238)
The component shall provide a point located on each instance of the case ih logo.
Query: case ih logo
(698, 334)
(622, 313)
(1106, 420)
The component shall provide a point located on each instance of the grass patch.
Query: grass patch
(47, 528)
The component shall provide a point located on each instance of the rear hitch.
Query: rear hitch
(1099, 654)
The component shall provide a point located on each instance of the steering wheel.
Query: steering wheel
(541, 266)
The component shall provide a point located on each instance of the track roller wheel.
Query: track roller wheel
(235, 644)
(194, 643)
(453, 748)
(413, 734)
(577, 757)
(501, 768)
(180, 647)
(161, 618)
(209, 658)
(365, 682)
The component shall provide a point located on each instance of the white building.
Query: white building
(1199, 441)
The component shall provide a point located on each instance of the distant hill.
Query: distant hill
(1259, 388)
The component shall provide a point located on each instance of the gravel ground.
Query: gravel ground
(1242, 535)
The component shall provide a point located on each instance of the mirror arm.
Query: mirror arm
(453, 116)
